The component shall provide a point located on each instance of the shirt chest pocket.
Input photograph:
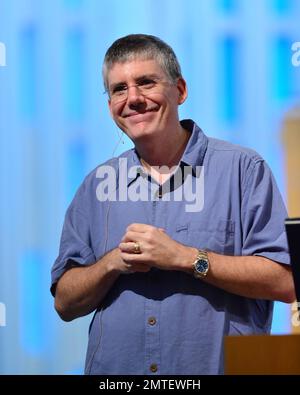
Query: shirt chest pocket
(216, 236)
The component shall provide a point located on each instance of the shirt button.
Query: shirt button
(153, 368)
(158, 194)
(151, 320)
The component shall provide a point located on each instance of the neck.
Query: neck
(166, 150)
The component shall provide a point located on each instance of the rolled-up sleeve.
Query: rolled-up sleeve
(263, 215)
(75, 248)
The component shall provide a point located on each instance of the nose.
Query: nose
(134, 97)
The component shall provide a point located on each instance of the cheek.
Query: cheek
(116, 116)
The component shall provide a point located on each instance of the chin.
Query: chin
(140, 131)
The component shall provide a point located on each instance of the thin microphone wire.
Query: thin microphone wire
(118, 142)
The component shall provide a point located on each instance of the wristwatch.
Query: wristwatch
(201, 264)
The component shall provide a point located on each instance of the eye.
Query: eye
(119, 90)
(147, 83)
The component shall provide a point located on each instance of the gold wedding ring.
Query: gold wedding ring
(136, 248)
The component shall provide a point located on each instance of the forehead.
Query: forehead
(131, 70)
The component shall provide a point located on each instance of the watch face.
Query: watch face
(201, 266)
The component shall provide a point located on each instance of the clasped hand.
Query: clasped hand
(145, 246)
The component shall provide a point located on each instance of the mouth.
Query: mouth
(140, 113)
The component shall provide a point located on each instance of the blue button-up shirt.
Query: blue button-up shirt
(168, 322)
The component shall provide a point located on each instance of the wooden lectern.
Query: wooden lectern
(262, 354)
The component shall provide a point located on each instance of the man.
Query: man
(168, 278)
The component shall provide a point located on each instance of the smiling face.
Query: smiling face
(143, 102)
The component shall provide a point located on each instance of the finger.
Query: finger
(132, 259)
(135, 227)
(134, 266)
(129, 247)
(131, 236)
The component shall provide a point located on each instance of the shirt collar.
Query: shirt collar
(193, 155)
(195, 150)
(134, 161)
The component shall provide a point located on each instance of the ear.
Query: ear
(182, 90)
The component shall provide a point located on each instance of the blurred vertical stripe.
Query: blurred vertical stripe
(227, 5)
(74, 74)
(28, 72)
(73, 3)
(228, 76)
(32, 328)
(76, 165)
(282, 82)
(282, 6)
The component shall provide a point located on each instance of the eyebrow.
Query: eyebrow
(142, 77)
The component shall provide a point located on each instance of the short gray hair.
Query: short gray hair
(144, 47)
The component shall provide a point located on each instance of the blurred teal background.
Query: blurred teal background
(55, 127)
